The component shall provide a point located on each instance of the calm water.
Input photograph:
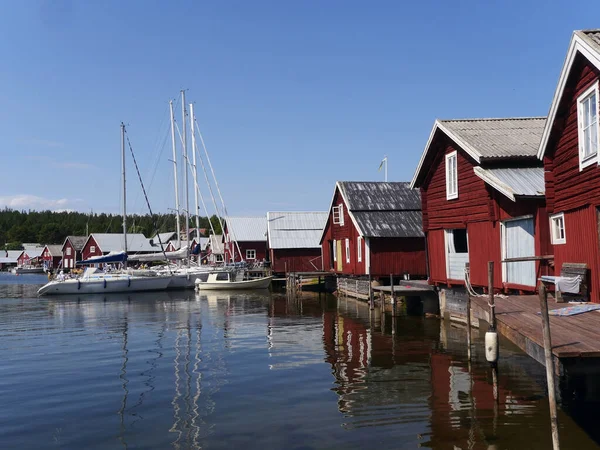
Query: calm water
(222, 370)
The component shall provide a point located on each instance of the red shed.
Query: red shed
(293, 241)
(482, 190)
(374, 227)
(250, 233)
(71, 250)
(52, 256)
(570, 151)
(30, 256)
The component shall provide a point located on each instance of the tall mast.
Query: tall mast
(124, 187)
(175, 174)
(195, 171)
(185, 163)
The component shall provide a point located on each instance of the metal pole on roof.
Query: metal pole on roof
(385, 168)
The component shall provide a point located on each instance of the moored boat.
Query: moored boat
(228, 279)
(93, 282)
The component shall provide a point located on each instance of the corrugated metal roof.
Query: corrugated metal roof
(12, 253)
(55, 250)
(498, 138)
(295, 229)
(380, 196)
(77, 242)
(216, 244)
(114, 242)
(244, 229)
(389, 223)
(164, 237)
(592, 37)
(515, 181)
(33, 252)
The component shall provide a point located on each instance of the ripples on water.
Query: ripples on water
(246, 370)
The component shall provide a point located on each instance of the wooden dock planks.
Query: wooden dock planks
(572, 336)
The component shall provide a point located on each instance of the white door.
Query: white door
(518, 243)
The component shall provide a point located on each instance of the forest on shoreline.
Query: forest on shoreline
(49, 227)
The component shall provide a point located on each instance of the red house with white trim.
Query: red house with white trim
(52, 256)
(71, 251)
(570, 151)
(482, 191)
(374, 228)
(250, 234)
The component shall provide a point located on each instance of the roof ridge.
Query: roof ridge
(491, 119)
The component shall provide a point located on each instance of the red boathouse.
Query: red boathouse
(293, 241)
(71, 250)
(247, 235)
(374, 228)
(482, 191)
(52, 256)
(570, 151)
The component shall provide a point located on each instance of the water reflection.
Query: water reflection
(247, 370)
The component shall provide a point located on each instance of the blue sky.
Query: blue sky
(290, 96)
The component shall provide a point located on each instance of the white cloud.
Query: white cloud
(26, 201)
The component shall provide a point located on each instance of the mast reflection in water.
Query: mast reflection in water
(247, 370)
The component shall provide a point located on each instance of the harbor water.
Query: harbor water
(224, 370)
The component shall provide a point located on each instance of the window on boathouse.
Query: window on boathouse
(451, 176)
(250, 254)
(587, 121)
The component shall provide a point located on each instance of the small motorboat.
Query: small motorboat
(230, 279)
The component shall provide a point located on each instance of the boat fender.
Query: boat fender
(104, 284)
(491, 346)
(78, 284)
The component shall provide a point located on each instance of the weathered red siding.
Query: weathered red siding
(436, 256)
(69, 260)
(581, 246)
(296, 260)
(568, 188)
(49, 260)
(259, 246)
(86, 252)
(398, 256)
(472, 201)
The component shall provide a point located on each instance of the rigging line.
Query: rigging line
(152, 218)
(203, 203)
(225, 213)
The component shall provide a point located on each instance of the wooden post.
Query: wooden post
(491, 295)
(549, 364)
(392, 295)
(371, 299)
(468, 327)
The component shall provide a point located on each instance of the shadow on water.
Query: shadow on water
(258, 370)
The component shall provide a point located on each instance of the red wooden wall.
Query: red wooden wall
(259, 246)
(86, 253)
(397, 256)
(296, 260)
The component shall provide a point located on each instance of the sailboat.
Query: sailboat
(94, 281)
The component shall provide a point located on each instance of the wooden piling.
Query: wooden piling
(549, 364)
(392, 295)
(491, 295)
(371, 298)
(468, 327)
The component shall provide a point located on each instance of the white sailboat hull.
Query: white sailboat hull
(259, 283)
(105, 285)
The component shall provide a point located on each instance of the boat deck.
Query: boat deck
(517, 318)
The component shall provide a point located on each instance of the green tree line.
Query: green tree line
(48, 227)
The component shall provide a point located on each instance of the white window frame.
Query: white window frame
(92, 249)
(347, 251)
(68, 251)
(451, 184)
(250, 251)
(334, 250)
(592, 158)
(554, 221)
(218, 257)
(359, 249)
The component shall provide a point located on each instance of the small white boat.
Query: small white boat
(227, 279)
(93, 282)
(27, 269)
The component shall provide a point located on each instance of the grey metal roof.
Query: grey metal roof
(55, 250)
(498, 138)
(12, 253)
(164, 237)
(295, 229)
(389, 223)
(244, 229)
(216, 244)
(379, 196)
(515, 181)
(33, 252)
(77, 242)
(114, 242)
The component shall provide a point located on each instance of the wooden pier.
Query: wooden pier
(518, 319)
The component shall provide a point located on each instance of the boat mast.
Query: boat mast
(124, 187)
(175, 173)
(195, 171)
(185, 163)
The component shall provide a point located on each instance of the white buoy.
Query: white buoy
(491, 346)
